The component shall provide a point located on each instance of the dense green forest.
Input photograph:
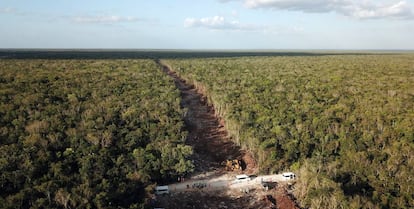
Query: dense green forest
(344, 123)
(87, 133)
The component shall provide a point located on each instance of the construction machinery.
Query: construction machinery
(233, 165)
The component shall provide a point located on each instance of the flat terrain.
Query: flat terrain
(87, 133)
(212, 147)
(225, 182)
(162, 54)
(82, 128)
(343, 123)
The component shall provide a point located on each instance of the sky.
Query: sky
(208, 24)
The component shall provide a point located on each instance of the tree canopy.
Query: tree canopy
(87, 133)
(343, 122)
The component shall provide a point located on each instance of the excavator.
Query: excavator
(234, 165)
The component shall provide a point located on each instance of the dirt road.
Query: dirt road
(225, 182)
(212, 147)
(207, 133)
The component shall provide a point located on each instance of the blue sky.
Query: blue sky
(208, 24)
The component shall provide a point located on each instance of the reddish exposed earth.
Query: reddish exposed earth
(212, 147)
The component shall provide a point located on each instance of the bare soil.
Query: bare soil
(206, 133)
(283, 199)
(275, 198)
(219, 200)
(212, 147)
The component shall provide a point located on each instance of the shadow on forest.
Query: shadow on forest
(354, 187)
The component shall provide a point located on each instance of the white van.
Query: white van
(242, 178)
(161, 190)
(288, 176)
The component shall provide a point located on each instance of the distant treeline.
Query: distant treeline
(162, 54)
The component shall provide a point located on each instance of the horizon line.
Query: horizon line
(193, 49)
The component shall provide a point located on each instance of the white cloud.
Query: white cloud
(360, 9)
(220, 23)
(294, 5)
(7, 10)
(10, 10)
(108, 19)
(399, 10)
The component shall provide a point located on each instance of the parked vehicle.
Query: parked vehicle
(242, 178)
(161, 190)
(288, 176)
